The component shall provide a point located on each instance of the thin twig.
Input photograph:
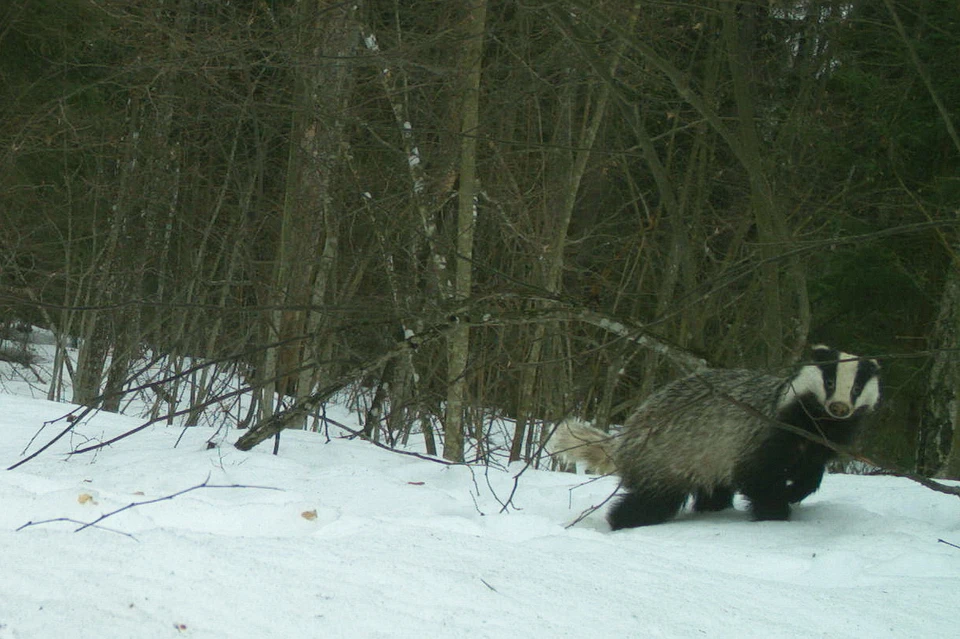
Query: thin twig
(846, 450)
(489, 586)
(95, 522)
(73, 419)
(73, 521)
(408, 453)
(592, 509)
(168, 497)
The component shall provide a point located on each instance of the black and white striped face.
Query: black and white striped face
(843, 384)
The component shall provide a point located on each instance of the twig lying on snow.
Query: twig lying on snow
(96, 521)
(592, 509)
(73, 521)
(72, 418)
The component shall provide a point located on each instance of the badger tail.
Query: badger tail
(574, 441)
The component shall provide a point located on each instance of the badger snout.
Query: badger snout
(839, 409)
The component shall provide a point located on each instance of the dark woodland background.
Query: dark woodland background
(596, 190)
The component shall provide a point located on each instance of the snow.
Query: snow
(406, 547)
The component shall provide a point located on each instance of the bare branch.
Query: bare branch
(95, 523)
(301, 409)
(846, 450)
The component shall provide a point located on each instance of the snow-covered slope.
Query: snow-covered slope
(341, 539)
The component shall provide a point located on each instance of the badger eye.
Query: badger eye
(857, 388)
(829, 384)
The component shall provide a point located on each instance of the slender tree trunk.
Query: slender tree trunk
(938, 449)
(308, 248)
(776, 282)
(103, 285)
(562, 206)
(458, 347)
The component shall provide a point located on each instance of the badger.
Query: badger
(713, 434)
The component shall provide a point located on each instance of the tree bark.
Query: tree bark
(938, 446)
(309, 239)
(459, 344)
(569, 177)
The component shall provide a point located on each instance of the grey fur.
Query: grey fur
(684, 433)
(695, 436)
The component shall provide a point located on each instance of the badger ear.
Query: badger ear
(822, 353)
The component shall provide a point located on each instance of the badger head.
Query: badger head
(843, 384)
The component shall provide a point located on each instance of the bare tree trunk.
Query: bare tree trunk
(103, 283)
(458, 347)
(775, 282)
(306, 256)
(568, 187)
(938, 446)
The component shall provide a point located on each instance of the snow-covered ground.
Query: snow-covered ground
(339, 538)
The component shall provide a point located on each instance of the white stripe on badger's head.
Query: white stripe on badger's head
(843, 384)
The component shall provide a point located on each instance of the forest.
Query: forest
(483, 212)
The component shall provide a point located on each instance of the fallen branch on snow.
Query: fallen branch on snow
(95, 523)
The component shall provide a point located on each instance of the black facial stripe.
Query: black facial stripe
(823, 355)
(829, 372)
(866, 370)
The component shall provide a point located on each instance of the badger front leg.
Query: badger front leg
(804, 480)
(768, 498)
(762, 478)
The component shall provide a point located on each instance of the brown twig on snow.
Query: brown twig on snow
(95, 523)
